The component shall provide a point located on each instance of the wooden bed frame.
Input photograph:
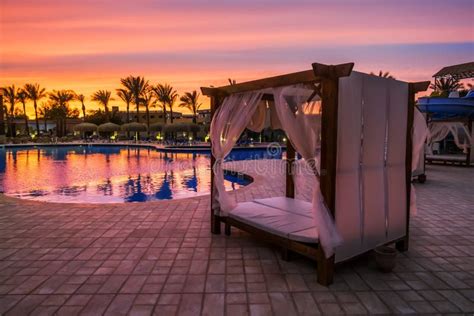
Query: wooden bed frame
(327, 76)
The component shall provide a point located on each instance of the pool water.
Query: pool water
(111, 174)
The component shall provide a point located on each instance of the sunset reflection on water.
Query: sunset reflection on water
(105, 174)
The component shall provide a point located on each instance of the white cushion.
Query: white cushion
(276, 221)
(306, 235)
(283, 203)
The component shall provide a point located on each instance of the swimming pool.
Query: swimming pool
(111, 174)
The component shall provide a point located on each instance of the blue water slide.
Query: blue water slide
(447, 108)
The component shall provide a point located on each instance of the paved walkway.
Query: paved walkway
(160, 258)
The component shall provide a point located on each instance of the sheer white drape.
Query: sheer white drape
(227, 125)
(440, 130)
(257, 121)
(297, 118)
(420, 134)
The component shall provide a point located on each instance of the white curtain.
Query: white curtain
(257, 122)
(227, 125)
(264, 116)
(420, 134)
(298, 119)
(440, 130)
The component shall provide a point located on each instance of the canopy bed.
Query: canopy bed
(353, 131)
(450, 116)
(453, 116)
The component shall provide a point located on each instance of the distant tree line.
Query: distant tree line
(55, 105)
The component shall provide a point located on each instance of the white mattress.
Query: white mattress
(283, 203)
(282, 216)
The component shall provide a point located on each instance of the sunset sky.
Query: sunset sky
(86, 45)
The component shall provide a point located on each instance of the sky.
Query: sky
(87, 45)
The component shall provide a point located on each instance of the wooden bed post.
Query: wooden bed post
(469, 150)
(215, 220)
(329, 75)
(413, 89)
(290, 159)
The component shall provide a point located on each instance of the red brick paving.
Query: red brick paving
(160, 258)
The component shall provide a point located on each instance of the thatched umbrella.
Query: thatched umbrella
(156, 127)
(181, 127)
(108, 128)
(85, 127)
(134, 127)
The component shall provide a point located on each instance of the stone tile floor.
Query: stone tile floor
(160, 258)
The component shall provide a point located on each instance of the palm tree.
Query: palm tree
(446, 85)
(103, 97)
(45, 111)
(167, 97)
(82, 98)
(190, 101)
(161, 94)
(22, 96)
(60, 100)
(172, 99)
(10, 94)
(148, 101)
(35, 93)
(384, 74)
(126, 97)
(137, 86)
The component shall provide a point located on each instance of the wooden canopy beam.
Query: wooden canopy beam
(265, 83)
(419, 86)
(332, 71)
(307, 76)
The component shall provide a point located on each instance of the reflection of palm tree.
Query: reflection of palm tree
(3, 161)
(164, 193)
(103, 97)
(106, 188)
(35, 93)
(191, 182)
(190, 101)
(22, 97)
(137, 86)
(136, 194)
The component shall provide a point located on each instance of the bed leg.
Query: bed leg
(227, 229)
(285, 254)
(325, 269)
(215, 224)
(402, 245)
